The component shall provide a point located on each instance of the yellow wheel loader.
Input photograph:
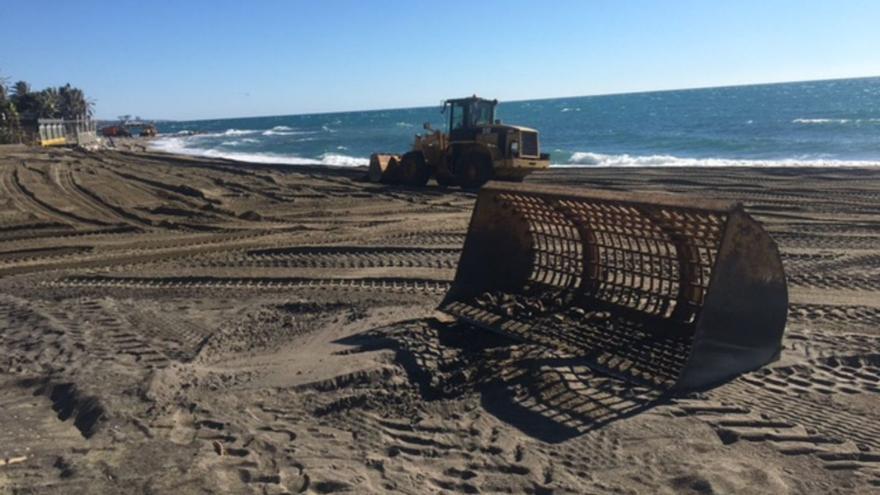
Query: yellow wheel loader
(475, 149)
(670, 292)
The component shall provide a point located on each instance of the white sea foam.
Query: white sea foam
(404, 124)
(237, 132)
(588, 159)
(343, 160)
(283, 130)
(239, 142)
(179, 145)
(834, 121)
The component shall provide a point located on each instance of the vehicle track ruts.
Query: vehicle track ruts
(815, 344)
(260, 283)
(810, 263)
(826, 418)
(818, 241)
(820, 436)
(865, 262)
(837, 437)
(26, 255)
(61, 175)
(126, 215)
(29, 202)
(427, 238)
(812, 228)
(834, 281)
(340, 257)
(33, 343)
(828, 313)
(829, 375)
(126, 255)
(59, 231)
(179, 339)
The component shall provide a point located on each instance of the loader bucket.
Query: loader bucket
(660, 290)
(384, 168)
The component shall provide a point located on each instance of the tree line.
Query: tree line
(20, 107)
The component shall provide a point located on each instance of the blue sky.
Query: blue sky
(210, 59)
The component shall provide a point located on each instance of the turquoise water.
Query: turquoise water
(813, 123)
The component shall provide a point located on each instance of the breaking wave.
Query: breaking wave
(588, 159)
(238, 132)
(239, 142)
(283, 130)
(834, 121)
(179, 145)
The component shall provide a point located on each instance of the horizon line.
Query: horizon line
(663, 90)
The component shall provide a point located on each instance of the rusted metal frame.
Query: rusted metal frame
(690, 290)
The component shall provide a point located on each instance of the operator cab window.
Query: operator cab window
(481, 114)
(456, 116)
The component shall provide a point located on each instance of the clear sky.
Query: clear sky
(188, 59)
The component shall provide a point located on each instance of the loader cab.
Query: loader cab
(468, 115)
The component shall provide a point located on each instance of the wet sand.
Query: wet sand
(182, 325)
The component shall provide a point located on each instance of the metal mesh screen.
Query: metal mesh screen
(619, 280)
(653, 260)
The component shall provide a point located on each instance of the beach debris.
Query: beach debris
(12, 460)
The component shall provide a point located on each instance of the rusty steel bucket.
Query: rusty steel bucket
(667, 291)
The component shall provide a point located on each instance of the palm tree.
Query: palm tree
(47, 104)
(9, 124)
(73, 103)
(22, 88)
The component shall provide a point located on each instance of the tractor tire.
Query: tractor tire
(414, 170)
(472, 170)
(445, 181)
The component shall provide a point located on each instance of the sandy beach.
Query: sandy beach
(173, 324)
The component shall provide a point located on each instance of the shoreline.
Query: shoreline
(579, 159)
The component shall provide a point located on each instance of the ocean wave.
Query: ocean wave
(283, 130)
(239, 142)
(236, 132)
(835, 121)
(271, 132)
(180, 145)
(343, 160)
(589, 159)
(404, 124)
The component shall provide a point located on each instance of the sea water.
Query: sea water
(832, 123)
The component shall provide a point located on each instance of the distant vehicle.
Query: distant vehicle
(148, 130)
(475, 149)
(115, 131)
(127, 129)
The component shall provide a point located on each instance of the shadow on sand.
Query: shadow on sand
(546, 395)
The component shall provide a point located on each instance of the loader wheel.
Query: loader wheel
(444, 181)
(472, 170)
(414, 169)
